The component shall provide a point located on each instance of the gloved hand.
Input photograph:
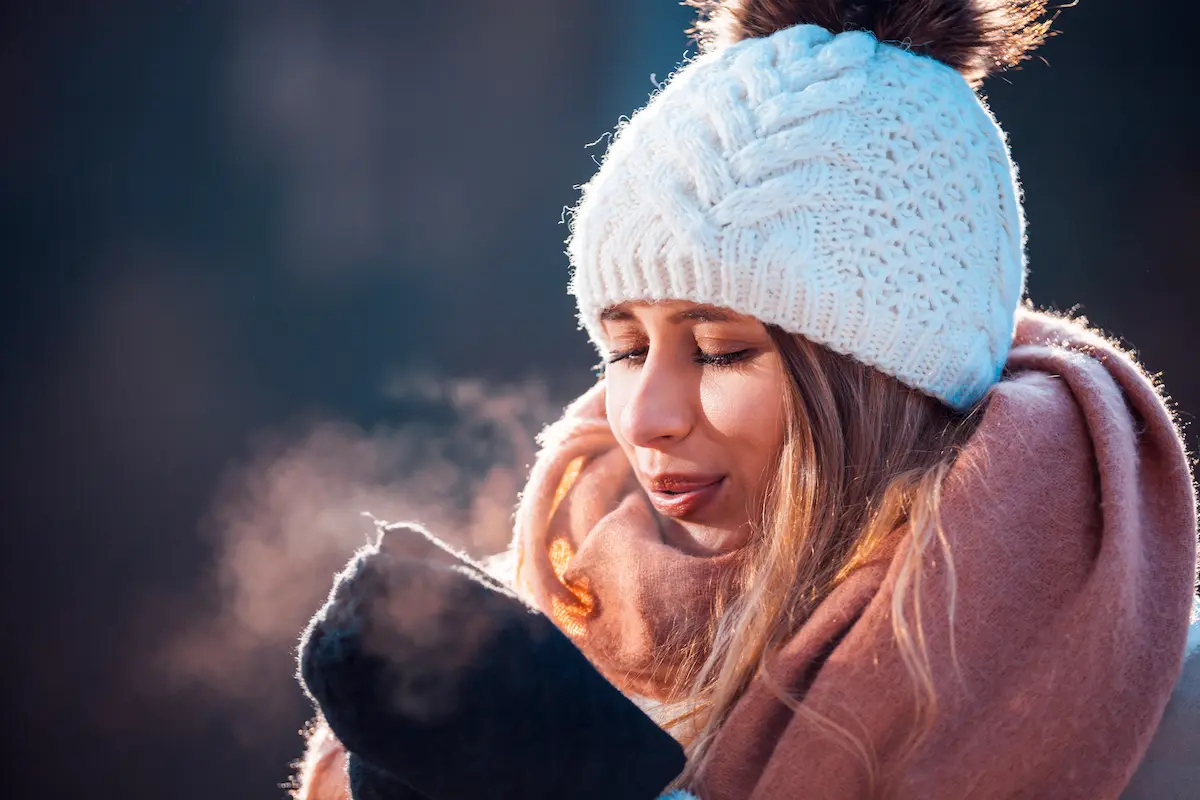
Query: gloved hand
(443, 685)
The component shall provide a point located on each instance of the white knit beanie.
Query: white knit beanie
(847, 190)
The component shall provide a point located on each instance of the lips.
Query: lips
(682, 495)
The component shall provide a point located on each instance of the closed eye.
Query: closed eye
(722, 359)
(637, 355)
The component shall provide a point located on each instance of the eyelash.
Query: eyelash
(638, 354)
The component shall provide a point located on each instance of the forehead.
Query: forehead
(670, 311)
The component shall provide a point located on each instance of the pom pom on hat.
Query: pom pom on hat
(974, 37)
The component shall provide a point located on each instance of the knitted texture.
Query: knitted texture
(843, 189)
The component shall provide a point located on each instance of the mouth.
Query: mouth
(681, 496)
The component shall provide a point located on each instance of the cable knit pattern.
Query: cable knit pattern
(847, 190)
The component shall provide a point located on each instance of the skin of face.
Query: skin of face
(695, 399)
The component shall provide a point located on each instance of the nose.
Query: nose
(660, 409)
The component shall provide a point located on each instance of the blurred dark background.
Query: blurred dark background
(265, 263)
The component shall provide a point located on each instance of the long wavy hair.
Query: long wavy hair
(862, 461)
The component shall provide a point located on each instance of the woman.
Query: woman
(842, 515)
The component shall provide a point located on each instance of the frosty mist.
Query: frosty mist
(284, 521)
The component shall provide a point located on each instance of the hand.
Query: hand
(434, 674)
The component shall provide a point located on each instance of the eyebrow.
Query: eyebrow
(693, 314)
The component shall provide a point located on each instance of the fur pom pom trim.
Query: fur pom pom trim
(975, 37)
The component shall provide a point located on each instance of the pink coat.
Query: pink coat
(1072, 520)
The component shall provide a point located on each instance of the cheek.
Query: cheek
(745, 411)
(614, 404)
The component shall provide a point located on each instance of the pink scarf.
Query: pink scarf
(1071, 518)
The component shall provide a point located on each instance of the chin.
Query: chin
(704, 539)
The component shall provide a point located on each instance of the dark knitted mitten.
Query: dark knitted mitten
(447, 685)
(368, 782)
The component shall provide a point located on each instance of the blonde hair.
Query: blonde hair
(862, 456)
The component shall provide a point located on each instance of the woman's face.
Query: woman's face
(695, 399)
